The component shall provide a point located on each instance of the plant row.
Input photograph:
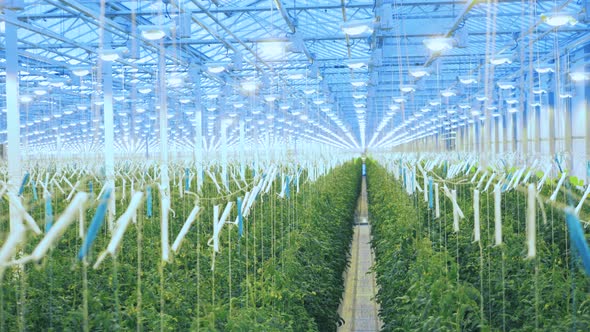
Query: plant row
(433, 278)
(280, 274)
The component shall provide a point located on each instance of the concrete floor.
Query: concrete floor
(358, 309)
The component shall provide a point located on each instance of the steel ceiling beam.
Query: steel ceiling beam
(230, 10)
(254, 9)
(450, 32)
(291, 26)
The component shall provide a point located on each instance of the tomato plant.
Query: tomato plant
(283, 274)
(433, 278)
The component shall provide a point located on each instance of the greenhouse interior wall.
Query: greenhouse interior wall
(294, 165)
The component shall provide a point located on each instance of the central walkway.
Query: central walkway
(358, 308)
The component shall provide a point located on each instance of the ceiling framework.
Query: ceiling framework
(343, 89)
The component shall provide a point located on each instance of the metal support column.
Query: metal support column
(109, 137)
(12, 113)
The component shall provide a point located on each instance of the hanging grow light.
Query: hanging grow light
(215, 68)
(578, 76)
(249, 86)
(152, 32)
(434, 102)
(358, 83)
(544, 69)
(357, 28)
(407, 88)
(272, 49)
(438, 44)
(565, 94)
(536, 104)
(296, 76)
(500, 60)
(57, 83)
(25, 99)
(80, 71)
(448, 93)
(505, 85)
(359, 95)
(357, 64)
(270, 98)
(558, 19)
(144, 90)
(511, 101)
(109, 55)
(40, 92)
(418, 72)
(467, 80)
(175, 81)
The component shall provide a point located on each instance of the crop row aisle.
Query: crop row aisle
(460, 249)
(358, 309)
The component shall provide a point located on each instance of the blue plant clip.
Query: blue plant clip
(558, 164)
(35, 197)
(186, 180)
(95, 225)
(578, 239)
(505, 185)
(149, 202)
(48, 213)
(287, 188)
(22, 185)
(404, 176)
(430, 193)
(240, 218)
